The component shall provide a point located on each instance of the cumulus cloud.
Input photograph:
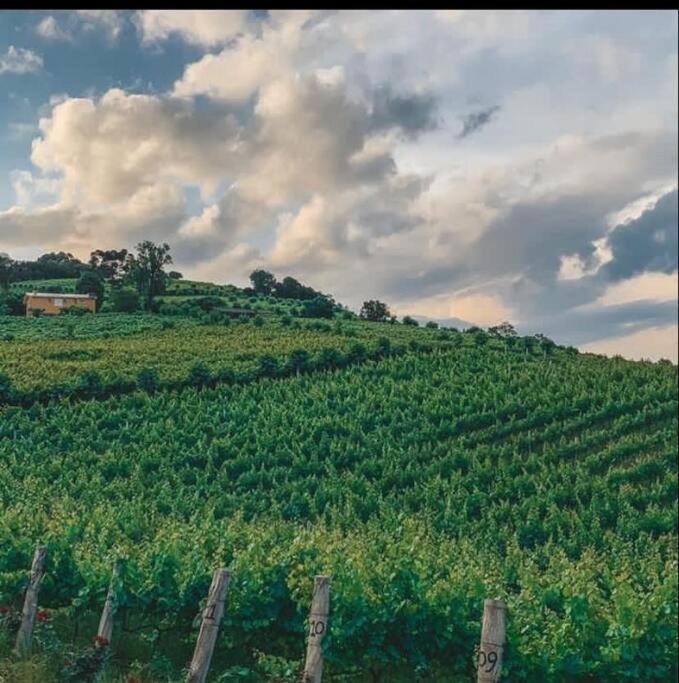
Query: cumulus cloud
(200, 27)
(323, 146)
(234, 74)
(19, 60)
(109, 21)
(154, 212)
(49, 28)
(107, 148)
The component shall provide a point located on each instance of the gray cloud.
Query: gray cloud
(648, 243)
(585, 325)
(476, 120)
(412, 113)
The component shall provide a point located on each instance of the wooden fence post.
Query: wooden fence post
(25, 634)
(318, 627)
(209, 628)
(105, 630)
(493, 633)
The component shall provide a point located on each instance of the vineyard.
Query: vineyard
(49, 356)
(422, 479)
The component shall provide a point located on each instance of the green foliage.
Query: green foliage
(91, 283)
(375, 311)
(263, 282)
(148, 380)
(318, 307)
(124, 300)
(423, 473)
(199, 375)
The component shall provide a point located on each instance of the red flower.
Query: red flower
(4, 609)
(100, 641)
(43, 615)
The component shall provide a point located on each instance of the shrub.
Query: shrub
(268, 366)
(299, 361)
(124, 300)
(318, 307)
(199, 375)
(90, 384)
(407, 320)
(6, 390)
(330, 358)
(148, 380)
(225, 376)
(357, 353)
(76, 311)
(382, 347)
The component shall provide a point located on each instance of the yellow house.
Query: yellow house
(54, 304)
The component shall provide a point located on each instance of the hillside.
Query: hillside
(423, 469)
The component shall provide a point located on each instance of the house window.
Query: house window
(59, 303)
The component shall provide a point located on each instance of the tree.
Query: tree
(375, 311)
(504, 329)
(124, 300)
(146, 270)
(263, 282)
(407, 320)
(91, 283)
(175, 275)
(545, 344)
(111, 264)
(289, 288)
(5, 271)
(319, 307)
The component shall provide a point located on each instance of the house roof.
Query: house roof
(60, 295)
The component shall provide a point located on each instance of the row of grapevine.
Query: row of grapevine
(422, 483)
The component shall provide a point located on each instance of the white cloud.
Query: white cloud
(108, 148)
(30, 191)
(201, 27)
(479, 309)
(18, 60)
(50, 29)
(109, 21)
(647, 286)
(652, 344)
(235, 73)
(306, 164)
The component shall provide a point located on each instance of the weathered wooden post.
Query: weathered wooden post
(209, 628)
(318, 627)
(105, 630)
(493, 633)
(25, 634)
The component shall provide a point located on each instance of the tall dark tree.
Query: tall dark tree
(289, 288)
(5, 271)
(91, 283)
(374, 310)
(109, 263)
(145, 270)
(263, 282)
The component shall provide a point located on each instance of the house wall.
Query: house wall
(49, 308)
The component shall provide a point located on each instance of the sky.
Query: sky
(463, 166)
